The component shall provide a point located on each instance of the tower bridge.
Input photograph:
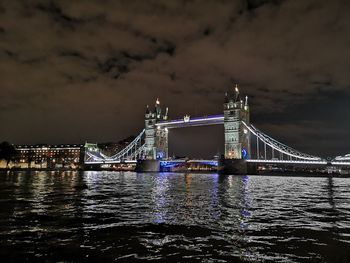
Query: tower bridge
(245, 145)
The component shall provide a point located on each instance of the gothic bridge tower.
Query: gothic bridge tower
(237, 144)
(156, 140)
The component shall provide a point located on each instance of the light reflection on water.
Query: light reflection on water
(124, 216)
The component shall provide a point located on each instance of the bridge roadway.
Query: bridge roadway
(262, 161)
(215, 162)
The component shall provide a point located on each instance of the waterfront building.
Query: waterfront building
(49, 156)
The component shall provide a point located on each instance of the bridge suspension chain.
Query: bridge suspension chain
(278, 146)
(130, 152)
(124, 152)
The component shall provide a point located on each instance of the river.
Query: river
(172, 217)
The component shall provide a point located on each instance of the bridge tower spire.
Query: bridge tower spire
(237, 143)
(156, 138)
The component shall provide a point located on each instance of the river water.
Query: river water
(172, 217)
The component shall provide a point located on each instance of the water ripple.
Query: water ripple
(124, 216)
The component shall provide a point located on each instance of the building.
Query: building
(49, 156)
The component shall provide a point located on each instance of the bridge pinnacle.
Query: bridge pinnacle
(226, 98)
(237, 93)
(246, 106)
(166, 113)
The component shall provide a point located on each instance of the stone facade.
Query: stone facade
(156, 138)
(237, 144)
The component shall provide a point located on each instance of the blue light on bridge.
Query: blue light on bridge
(173, 163)
(244, 154)
(160, 155)
(210, 163)
(168, 164)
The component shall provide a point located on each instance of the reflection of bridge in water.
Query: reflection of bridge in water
(245, 145)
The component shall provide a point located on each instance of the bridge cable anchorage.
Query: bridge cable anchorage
(279, 147)
(129, 153)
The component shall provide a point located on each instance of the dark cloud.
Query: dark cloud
(318, 125)
(74, 71)
(254, 4)
(55, 13)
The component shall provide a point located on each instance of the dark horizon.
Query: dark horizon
(76, 72)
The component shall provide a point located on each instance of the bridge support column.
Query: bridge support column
(252, 168)
(148, 166)
(233, 166)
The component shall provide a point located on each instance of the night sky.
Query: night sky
(72, 71)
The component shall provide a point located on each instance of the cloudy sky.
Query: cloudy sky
(72, 71)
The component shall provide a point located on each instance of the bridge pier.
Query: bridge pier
(236, 167)
(148, 166)
(252, 168)
(232, 166)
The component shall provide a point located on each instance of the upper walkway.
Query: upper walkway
(187, 121)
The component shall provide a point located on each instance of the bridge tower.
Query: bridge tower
(156, 139)
(237, 144)
(237, 139)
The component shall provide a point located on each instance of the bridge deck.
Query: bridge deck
(286, 161)
(197, 121)
(215, 162)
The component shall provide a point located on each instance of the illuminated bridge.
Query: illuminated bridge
(244, 143)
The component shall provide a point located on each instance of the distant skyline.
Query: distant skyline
(76, 71)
